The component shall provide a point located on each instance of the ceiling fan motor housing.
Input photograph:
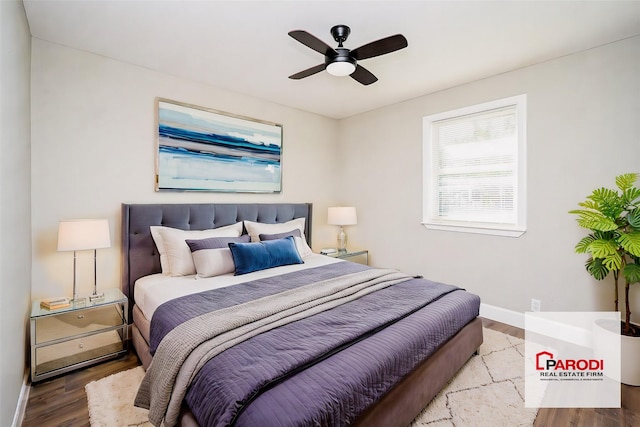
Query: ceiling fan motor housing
(340, 33)
(344, 55)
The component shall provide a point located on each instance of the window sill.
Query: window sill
(475, 229)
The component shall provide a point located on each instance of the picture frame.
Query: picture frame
(201, 149)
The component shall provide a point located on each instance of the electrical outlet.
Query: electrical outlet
(535, 304)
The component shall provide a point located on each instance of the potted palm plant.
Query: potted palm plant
(612, 217)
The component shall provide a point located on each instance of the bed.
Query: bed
(451, 330)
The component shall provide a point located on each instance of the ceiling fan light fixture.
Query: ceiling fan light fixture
(341, 69)
(342, 61)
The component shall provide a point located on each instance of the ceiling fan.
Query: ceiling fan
(342, 61)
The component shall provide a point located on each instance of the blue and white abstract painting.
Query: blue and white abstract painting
(204, 150)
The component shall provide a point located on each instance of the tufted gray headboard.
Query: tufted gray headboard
(139, 254)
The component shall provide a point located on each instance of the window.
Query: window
(475, 168)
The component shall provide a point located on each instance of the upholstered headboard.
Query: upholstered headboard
(139, 254)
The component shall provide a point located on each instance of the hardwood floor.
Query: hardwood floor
(62, 401)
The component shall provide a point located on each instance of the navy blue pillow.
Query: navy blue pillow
(249, 257)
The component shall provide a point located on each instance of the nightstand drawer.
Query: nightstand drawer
(79, 350)
(68, 324)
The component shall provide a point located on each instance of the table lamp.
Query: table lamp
(84, 234)
(342, 215)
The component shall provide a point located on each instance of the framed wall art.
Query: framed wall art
(206, 150)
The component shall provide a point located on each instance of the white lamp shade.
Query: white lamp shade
(341, 69)
(342, 215)
(81, 234)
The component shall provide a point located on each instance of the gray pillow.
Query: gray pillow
(294, 233)
(212, 256)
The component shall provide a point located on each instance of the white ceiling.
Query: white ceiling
(243, 46)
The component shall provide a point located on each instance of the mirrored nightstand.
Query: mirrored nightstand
(85, 333)
(360, 256)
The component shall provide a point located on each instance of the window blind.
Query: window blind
(474, 169)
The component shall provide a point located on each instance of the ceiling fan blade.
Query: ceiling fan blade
(313, 42)
(380, 47)
(363, 75)
(308, 72)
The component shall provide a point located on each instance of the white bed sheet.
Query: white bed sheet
(156, 289)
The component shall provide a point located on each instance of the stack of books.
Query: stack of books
(55, 303)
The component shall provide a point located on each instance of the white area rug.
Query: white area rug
(488, 391)
(111, 400)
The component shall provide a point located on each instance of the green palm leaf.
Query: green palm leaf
(584, 243)
(613, 261)
(632, 273)
(610, 202)
(631, 195)
(594, 220)
(630, 242)
(633, 218)
(590, 204)
(603, 195)
(626, 181)
(596, 268)
(605, 235)
(603, 248)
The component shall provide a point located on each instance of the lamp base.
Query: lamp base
(96, 297)
(342, 240)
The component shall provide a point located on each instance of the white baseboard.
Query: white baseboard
(560, 330)
(21, 407)
(499, 314)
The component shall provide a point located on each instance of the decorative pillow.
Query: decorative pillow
(255, 229)
(303, 249)
(212, 256)
(292, 233)
(249, 257)
(175, 256)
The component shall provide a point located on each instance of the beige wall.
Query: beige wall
(15, 227)
(93, 142)
(583, 127)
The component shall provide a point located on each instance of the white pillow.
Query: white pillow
(214, 262)
(175, 255)
(255, 229)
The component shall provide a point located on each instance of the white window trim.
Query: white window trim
(520, 101)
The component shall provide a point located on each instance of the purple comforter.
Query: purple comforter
(323, 370)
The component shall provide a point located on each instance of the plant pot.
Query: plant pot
(606, 335)
(630, 369)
